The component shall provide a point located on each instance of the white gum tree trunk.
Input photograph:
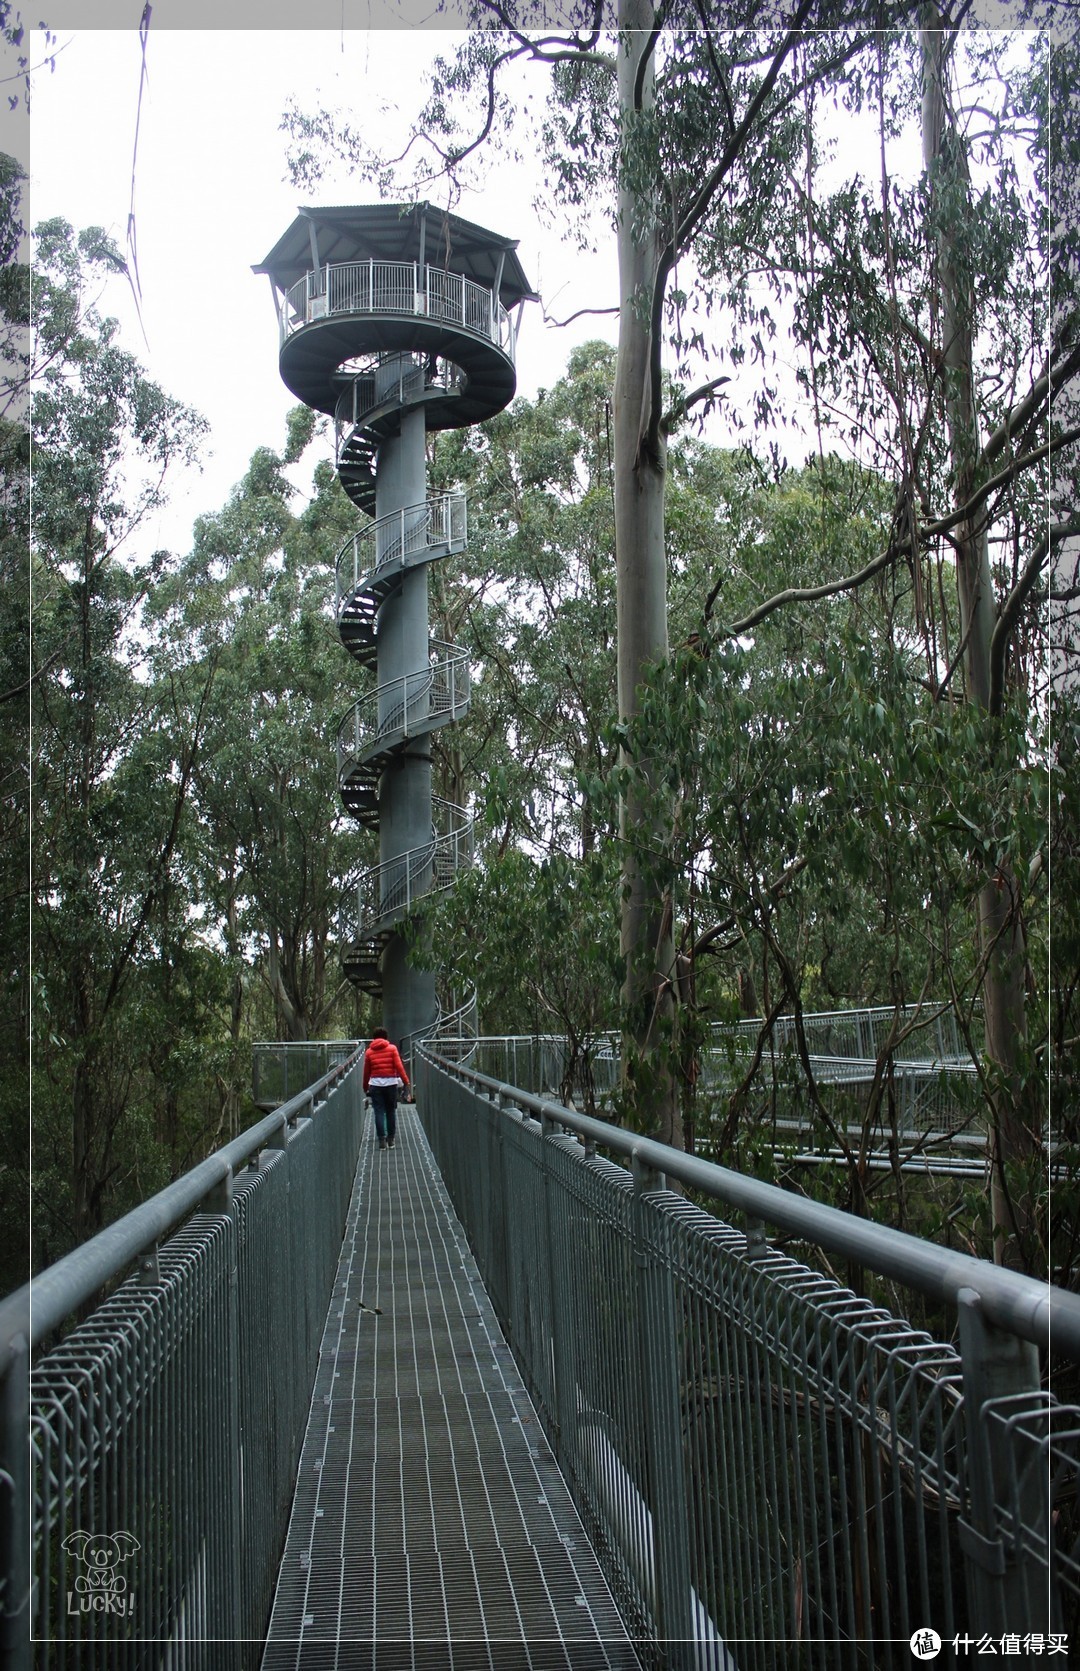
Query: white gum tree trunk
(641, 567)
(1000, 924)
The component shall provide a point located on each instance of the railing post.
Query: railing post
(665, 1487)
(563, 1379)
(218, 1203)
(1002, 1584)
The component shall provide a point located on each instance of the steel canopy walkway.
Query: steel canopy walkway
(274, 1419)
(431, 1525)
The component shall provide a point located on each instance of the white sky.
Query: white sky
(212, 198)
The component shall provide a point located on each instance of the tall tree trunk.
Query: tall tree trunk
(291, 1020)
(1000, 925)
(641, 578)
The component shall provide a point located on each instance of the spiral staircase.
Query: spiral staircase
(396, 321)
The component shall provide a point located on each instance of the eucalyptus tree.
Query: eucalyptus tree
(964, 324)
(936, 335)
(534, 597)
(254, 601)
(14, 731)
(109, 788)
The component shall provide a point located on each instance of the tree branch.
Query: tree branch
(895, 548)
(684, 229)
(680, 407)
(559, 323)
(569, 48)
(451, 158)
(1010, 609)
(774, 889)
(717, 70)
(647, 53)
(38, 673)
(809, 594)
(704, 196)
(1021, 414)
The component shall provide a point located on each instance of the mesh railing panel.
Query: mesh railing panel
(770, 1464)
(922, 1102)
(280, 1071)
(166, 1427)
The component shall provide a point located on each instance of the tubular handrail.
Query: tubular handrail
(439, 520)
(362, 394)
(1035, 1311)
(929, 1031)
(439, 689)
(401, 287)
(393, 887)
(453, 1026)
(40, 1306)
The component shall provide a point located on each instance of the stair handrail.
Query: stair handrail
(390, 710)
(361, 394)
(388, 891)
(441, 519)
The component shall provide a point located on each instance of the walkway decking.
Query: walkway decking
(431, 1528)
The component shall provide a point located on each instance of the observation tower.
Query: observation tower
(396, 320)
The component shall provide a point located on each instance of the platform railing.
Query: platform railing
(929, 1098)
(280, 1071)
(402, 287)
(143, 1524)
(441, 521)
(776, 1470)
(924, 1032)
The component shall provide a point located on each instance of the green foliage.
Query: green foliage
(535, 600)
(108, 790)
(538, 939)
(251, 610)
(15, 453)
(13, 31)
(187, 834)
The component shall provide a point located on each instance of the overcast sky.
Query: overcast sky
(211, 198)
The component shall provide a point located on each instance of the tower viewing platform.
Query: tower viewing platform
(405, 278)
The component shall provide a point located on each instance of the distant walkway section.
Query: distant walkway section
(431, 1528)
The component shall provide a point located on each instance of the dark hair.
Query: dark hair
(380, 1033)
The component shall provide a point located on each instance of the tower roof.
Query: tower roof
(395, 232)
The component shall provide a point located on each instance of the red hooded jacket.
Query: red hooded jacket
(382, 1062)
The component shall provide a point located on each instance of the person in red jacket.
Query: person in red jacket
(384, 1077)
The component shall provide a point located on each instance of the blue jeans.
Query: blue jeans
(384, 1107)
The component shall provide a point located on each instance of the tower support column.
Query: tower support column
(410, 1004)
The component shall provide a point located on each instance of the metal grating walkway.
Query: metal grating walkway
(431, 1528)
